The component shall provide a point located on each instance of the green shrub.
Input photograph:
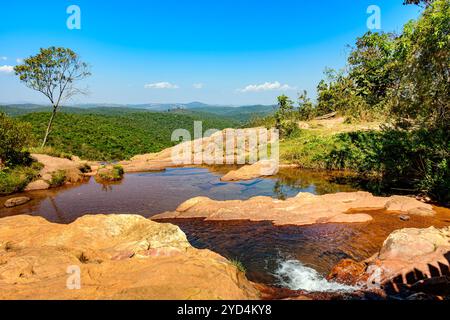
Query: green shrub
(108, 173)
(14, 136)
(58, 178)
(16, 179)
(415, 160)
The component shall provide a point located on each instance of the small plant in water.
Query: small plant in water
(114, 173)
(58, 178)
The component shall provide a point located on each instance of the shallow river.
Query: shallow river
(293, 257)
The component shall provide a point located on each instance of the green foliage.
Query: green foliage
(16, 179)
(14, 136)
(422, 96)
(418, 2)
(54, 73)
(415, 160)
(108, 173)
(306, 110)
(51, 152)
(118, 136)
(58, 178)
(372, 67)
(308, 149)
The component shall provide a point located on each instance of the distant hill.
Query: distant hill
(240, 114)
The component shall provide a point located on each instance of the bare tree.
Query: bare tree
(54, 72)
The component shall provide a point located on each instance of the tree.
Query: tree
(14, 136)
(284, 116)
(306, 110)
(54, 72)
(425, 3)
(421, 97)
(372, 67)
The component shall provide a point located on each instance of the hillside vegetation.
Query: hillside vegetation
(400, 80)
(115, 135)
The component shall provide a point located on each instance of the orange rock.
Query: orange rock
(348, 272)
(304, 209)
(261, 168)
(119, 257)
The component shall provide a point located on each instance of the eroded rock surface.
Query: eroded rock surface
(304, 209)
(209, 150)
(411, 261)
(120, 257)
(52, 165)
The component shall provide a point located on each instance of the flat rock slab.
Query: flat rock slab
(261, 168)
(119, 257)
(304, 209)
(14, 202)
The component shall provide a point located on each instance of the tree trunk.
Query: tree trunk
(49, 127)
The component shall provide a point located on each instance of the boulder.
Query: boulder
(409, 205)
(14, 202)
(261, 168)
(37, 185)
(410, 262)
(118, 256)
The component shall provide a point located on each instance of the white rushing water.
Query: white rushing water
(294, 275)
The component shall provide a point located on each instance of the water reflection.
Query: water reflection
(150, 193)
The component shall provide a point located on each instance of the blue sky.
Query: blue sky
(215, 51)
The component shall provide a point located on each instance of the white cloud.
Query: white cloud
(198, 85)
(161, 85)
(6, 69)
(19, 60)
(267, 86)
(3, 58)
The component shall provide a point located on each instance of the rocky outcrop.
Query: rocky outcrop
(261, 168)
(411, 261)
(14, 202)
(54, 165)
(304, 209)
(203, 152)
(118, 256)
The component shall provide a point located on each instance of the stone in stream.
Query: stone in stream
(37, 185)
(14, 202)
(404, 217)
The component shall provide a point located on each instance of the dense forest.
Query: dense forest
(401, 81)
